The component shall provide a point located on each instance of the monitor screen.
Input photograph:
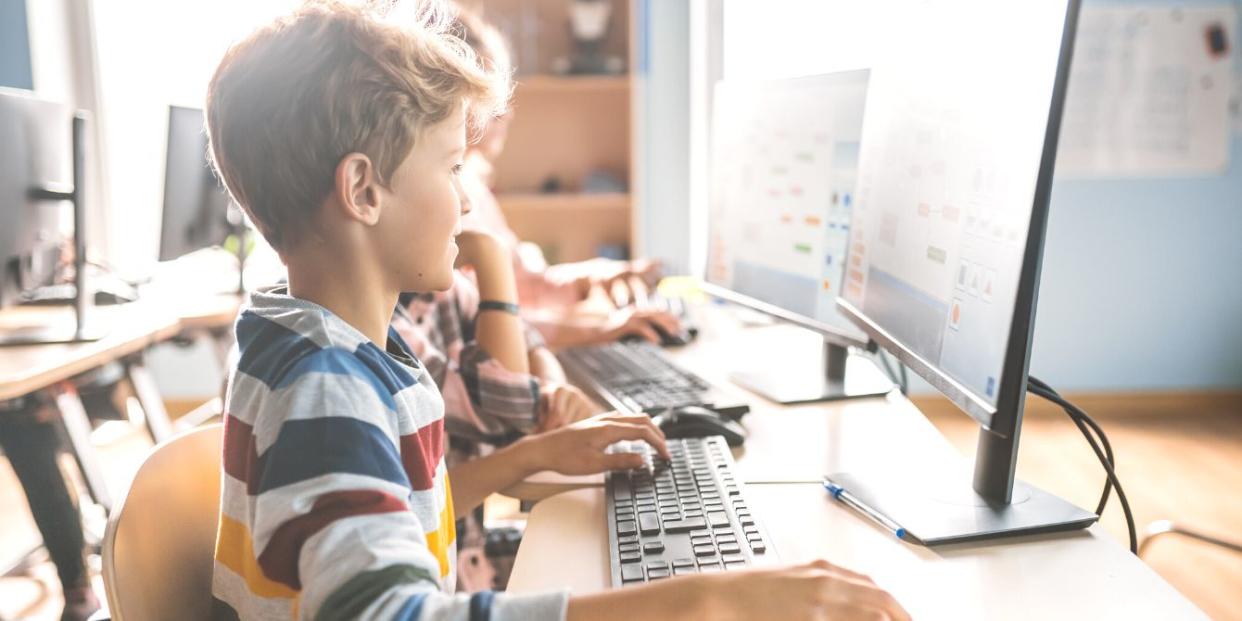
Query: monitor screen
(955, 157)
(783, 169)
(196, 205)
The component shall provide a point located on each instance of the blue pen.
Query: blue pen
(842, 495)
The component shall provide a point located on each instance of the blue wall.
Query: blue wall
(1142, 280)
(15, 68)
(1142, 283)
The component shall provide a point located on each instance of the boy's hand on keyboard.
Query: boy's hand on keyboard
(581, 448)
(818, 590)
(563, 404)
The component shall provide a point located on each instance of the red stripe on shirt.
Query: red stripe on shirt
(421, 452)
(279, 559)
(241, 458)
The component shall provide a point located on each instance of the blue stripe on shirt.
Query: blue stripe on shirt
(481, 606)
(305, 449)
(269, 351)
(412, 609)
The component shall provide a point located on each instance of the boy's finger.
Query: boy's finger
(626, 431)
(622, 461)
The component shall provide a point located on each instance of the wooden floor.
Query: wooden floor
(1178, 458)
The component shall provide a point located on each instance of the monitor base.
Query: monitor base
(946, 510)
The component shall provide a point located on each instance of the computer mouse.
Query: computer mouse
(698, 422)
(670, 339)
(667, 339)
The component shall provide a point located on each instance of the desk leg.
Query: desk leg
(149, 398)
(78, 426)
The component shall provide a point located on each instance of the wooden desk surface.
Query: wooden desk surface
(1080, 575)
(131, 328)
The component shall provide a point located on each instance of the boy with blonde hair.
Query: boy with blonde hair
(340, 133)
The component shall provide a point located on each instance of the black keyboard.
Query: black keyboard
(638, 376)
(681, 517)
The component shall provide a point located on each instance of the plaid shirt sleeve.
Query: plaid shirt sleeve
(482, 399)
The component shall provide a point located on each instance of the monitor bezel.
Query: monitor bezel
(1005, 417)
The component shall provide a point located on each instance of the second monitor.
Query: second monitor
(783, 171)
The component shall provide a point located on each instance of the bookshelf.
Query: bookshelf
(565, 127)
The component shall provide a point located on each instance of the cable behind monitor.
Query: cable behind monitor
(1103, 449)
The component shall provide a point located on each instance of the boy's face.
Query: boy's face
(422, 210)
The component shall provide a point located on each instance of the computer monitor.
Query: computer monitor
(784, 158)
(42, 171)
(954, 177)
(196, 205)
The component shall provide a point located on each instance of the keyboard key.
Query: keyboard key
(701, 533)
(628, 547)
(758, 547)
(733, 558)
(631, 573)
(700, 541)
(628, 539)
(626, 527)
(683, 562)
(716, 518)
(631, 557)
(684, 571)
(658, 574)
(706, 566)
(656, 565)
(729, 548)
(729, 566)
(653, 547)
(705, 550)
(686, 525)
(648, 523)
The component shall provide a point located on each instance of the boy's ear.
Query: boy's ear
(357, 188)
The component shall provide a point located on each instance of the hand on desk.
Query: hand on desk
(817, 591)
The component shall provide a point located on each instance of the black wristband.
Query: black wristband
(496, 305)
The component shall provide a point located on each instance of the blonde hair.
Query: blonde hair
(297, 95)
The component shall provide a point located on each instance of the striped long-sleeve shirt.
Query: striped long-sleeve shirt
(335, 497)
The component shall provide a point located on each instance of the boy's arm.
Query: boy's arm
(334, 515)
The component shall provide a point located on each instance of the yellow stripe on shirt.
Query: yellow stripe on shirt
(440, 541)
(235, 550)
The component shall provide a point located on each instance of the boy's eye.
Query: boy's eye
(457, 169)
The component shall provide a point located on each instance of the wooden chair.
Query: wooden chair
(159, 546)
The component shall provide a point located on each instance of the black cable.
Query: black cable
(1083, 421)
(1086, 424)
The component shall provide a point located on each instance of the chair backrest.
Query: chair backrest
(160, 541)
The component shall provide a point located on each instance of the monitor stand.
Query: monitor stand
(935, 507)
(84, 328)
(839, 375)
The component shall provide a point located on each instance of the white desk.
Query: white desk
(1082, 574)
